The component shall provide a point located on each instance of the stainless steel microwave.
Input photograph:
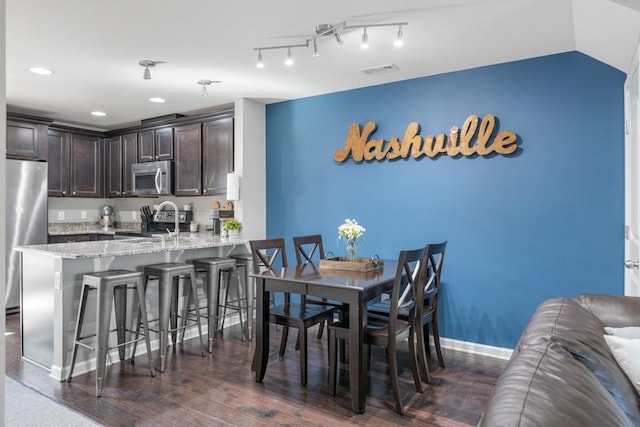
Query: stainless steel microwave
(152, 178)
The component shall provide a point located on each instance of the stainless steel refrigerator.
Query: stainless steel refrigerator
(26, 218)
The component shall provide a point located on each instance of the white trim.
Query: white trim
(475, 348)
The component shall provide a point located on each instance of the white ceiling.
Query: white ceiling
(94, 47)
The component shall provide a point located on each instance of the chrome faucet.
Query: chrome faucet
(176, 215)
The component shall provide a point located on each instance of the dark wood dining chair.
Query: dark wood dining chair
(389, 330)
(309, 248)
(427, 313)
(271, 255)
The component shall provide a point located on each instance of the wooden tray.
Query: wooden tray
(341, 263)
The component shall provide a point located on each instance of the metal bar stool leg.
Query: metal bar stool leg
(103, 320)
(79, 322)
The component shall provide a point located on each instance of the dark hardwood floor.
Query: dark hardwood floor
(220, 389)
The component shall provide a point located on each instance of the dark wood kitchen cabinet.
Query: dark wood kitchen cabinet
(75, 164)
(217, 155)
(26, 140)
(155, 144)
(188, 164)
(113, 166)
(85, 165)
(58, 163)
(120, 153)
(129, 157)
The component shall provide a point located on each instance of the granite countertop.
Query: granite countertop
(135, 246)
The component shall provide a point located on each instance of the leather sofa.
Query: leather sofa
(562, 372)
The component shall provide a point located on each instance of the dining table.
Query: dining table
(354, 288)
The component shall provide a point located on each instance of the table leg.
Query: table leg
(357, 362)
(261, 354)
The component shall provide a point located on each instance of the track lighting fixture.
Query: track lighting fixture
(365, 39)
(327, 30)
(289, 61)
(398, 42)
(204, 83)
(147, 63)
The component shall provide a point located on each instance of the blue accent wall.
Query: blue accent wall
(546, 221)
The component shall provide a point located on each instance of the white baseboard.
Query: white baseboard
(475, 348)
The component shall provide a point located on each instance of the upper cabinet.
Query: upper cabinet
(204, 156)
(26, 140)
(188, 164)
(85, 163)
(121, 153)
(155, 144)
(217, 155)
(58, 158)
(75, 164)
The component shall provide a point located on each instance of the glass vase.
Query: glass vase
(352, 255)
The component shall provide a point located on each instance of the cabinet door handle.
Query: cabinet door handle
(197, 192)
(204, 191)
(74, 193)
(64, 193)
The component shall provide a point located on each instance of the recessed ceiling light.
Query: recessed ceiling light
(98, 113)
(156, 99)
(41, 70)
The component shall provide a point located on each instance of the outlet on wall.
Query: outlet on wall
(61, 216)
(83, 214)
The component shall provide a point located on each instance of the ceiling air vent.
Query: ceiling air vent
(380, 69)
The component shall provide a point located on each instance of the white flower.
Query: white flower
(350, 230)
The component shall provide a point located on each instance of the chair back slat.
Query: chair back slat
(306, 247)
(269, 254)
(410, 272)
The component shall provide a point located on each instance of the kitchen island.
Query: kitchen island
(52, 282)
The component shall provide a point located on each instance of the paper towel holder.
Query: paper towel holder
(233, 186)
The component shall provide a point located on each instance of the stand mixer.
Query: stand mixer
(107, 220)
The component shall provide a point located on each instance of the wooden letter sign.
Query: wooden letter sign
(471, 139)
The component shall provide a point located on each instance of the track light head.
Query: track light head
(204, 83)
(338, 38)
(147, 63)
(289, 61)
(260, 64)
(316, 53)
(398, 42)
(365, 39)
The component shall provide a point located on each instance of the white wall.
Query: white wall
(3, 144)
(250, 163)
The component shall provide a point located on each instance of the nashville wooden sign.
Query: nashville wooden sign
(471, 139)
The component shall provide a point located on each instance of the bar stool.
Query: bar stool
(111, 286)
(245, 262)
(219, 278)
(168, 275)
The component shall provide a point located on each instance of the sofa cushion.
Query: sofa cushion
(628, 332)
(580, 332)
(627, 354)
(546, 386)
